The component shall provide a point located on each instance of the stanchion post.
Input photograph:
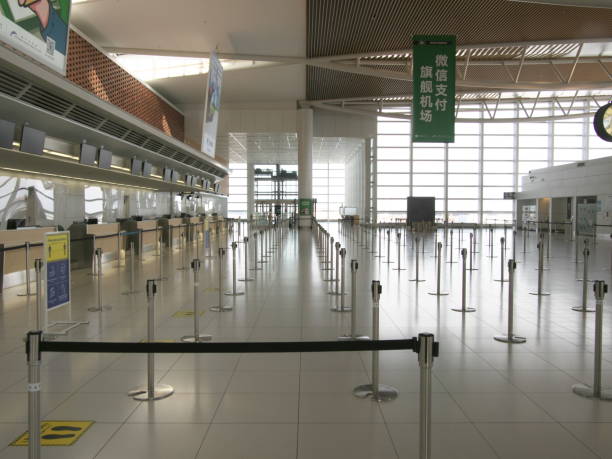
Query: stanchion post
(510, 337)
(98, 308)
(151, 391)
(196, 337)
(439, 272)
(585, 275)
(353, 336)
(378, 392)
(234, 292)
(600, 288)
(463, 307)
(399, 253)
(540, 270)
(426, 357)
(221, 307)
(38, 265)
(27, 271)
(451, 248)
(502, 248)
(245, 242)
(471, 268)
(416, 263)
(388, 248)
(342, 280)
(33, 387)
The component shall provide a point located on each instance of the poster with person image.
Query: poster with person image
(37, 28)
(212, 105)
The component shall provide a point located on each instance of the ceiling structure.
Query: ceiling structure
(355, 55)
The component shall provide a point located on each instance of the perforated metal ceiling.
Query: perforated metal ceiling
(339, 27)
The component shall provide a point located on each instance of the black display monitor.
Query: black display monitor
(32, 140)
(105, 159)
(92, 221)
(88, 154)
(167, 174)
(14, 223)
(217, 187)
(7, 133)
(146, 169)
(136, 166)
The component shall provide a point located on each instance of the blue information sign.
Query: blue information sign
(57, 257)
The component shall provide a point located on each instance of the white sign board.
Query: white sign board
(212, 105)
(37, 28)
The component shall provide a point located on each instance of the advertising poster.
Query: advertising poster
(57, 268)
(433, 94)
(212, 105)
(38, 28)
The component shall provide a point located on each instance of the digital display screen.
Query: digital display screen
(7, 134)
(167, 174)
(146, 169)
(88, 154)
(175, 176)
(136, 166)
(105, 158)
(32, 140)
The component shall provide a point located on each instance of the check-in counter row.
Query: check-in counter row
(112, 238)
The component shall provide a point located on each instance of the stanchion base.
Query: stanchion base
(195, 339)
(336, 293)
(510, 339)
(160, 391)
(587, 391)
(500, 280)
(383, 394)
(221, 309)
(339, 309)
(97, 309)
(399, 269)
(581, 309)
(463, 310)
(230, 293)
(539, 293)
(354, 338)
(437, 294)
(472, 269)
(249, 279)
(416, 280)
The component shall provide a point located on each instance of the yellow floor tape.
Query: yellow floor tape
(57, 433)
(185, 314)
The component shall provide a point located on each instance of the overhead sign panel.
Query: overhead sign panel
(37, 28)
(212, 105)
(433, 95)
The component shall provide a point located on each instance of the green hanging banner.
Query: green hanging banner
(433, 94)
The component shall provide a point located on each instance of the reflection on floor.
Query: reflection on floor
(491, 400)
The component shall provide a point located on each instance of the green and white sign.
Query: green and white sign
(433, 95)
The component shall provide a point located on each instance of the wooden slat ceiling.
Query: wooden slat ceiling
(338, 27)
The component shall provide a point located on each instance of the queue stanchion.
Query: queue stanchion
(525, 233)
(540, 270)
(331, 263)
(502, 248)
(261, 248)
(510, 337)
(416, 263)
(255, 264)
(119, 249)
(33, 388)
(353, 336)
(463, 307)
(451, 249)
(234, 292)
(373, 239)
(151, 391)
(182, 244)
(585, 279)
(336, 291)
(132, 270)
(439, 273)
(379, 255)
(196, 337)
(399, 253)
(474, 248)
(28, 291)
(94, 262)
(221, 306)
(388, 248)
(343, 307)
(435, 244)
(514, 245)
(600, 288)
(471, 254)
(426, 358)
(378, 392)
(246, 259)
(157, 242)
(99, 307)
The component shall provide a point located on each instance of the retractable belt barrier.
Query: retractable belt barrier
(424, 346)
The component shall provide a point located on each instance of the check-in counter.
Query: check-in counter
(14, 261)
(171, 230)
(86, 238)
(193, 226)
(145, 234)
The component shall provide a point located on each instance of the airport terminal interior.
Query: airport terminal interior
(310, 229)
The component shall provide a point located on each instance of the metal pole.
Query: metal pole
(353, 336)
(221, 307)
(246, 259)
(451, 248)
(510, 337)
(378, 392)
(540, 270)
(416, 265)
(463, 307)
(342, 277)
(196, 337)
(426, 356)
(439, 272)
(33, 387)
(379, 255)
(388, 248)
(502, 248)
(98, 308)
(38, 264)
(399, 255)
(255, 266)
(27, 270)
(131, 266)
(151, 391)
(600, 288)
(234, 292)
(585, 274)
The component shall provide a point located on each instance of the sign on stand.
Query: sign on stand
(433, 95)
(56, 253)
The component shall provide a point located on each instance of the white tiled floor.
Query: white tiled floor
(490, 400)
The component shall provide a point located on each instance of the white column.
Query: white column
(304, 131)
(250, 190)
